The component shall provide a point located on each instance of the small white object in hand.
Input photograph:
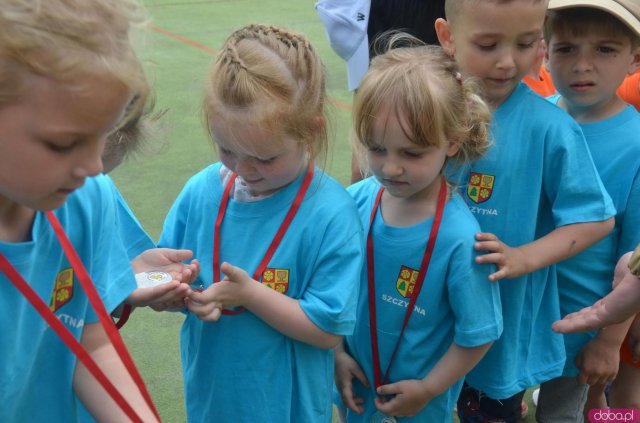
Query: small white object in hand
(151, 279)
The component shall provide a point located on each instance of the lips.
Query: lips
(582, 85)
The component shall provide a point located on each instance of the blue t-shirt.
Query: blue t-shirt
(134, 237)
(537, 176)
(586, 277)
(36, 379)
(457, 302)
(240, 369)
(135, 241)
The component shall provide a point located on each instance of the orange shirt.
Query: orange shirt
(629, 91)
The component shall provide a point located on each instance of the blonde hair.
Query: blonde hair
(133, 132)
(423, 85)
(65, 39)
(271, 77)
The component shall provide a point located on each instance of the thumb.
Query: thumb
(232, 272)
(176, 255)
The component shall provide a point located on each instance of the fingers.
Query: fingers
(209, 312)
(353, 402)
(176, 255)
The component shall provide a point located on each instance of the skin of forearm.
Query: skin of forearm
(564, 242)
(93, 396)
(286, 316)
(453, 365)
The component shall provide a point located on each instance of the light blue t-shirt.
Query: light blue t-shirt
(36, 379)
(240, 369)
(134, 237)
(586, 277)
(457, 302)
(135, 241)
(537, 176)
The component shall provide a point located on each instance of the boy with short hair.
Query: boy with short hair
(536, 195)
(593, 46)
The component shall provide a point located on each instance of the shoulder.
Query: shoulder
(326, 196)
(459, 226)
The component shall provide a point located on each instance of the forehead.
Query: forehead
(246, 138)
(494, 10)
(501, 19)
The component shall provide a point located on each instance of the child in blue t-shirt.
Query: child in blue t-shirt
(412, 113)
(591, 51)
(68, 71)
(536, 195)
(279, 241)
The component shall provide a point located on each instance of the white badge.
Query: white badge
(153, 278)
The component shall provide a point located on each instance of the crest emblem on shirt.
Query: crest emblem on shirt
(276, 279)
(406, 281)
(62, 289)
(480, 187)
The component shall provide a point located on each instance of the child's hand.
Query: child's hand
(346, 368)
(172, 294)
(511, 262)
(598, 362)
(170, 261)
(236, 289)
(409, 397)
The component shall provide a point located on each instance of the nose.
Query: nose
(89, 161)
(244, 167)
(584, 62)
(392, 167)
(506, 59)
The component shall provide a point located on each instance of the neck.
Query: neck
(16, 221)
(410, 211)
(594, 113)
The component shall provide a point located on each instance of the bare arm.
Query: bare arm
(560, 244)
(93, 396)
(279, 311)
(411, 396)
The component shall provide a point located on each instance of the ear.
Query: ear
(445, 37)
(635, 63)
(454, 146)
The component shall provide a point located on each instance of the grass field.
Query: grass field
(177, 46)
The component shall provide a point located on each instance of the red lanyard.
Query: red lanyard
(435, 226)
(295, 206)
(68, 338)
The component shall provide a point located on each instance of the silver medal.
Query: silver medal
(379, 417)
(151, 279)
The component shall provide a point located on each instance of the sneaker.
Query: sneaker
(524, 410)
(535, 395)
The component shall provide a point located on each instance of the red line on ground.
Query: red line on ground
(212, 51)
(181, 39)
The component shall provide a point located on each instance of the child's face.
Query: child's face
(52, 136)
(495, 42)
(406, 170)
(266, 163)
(588, 69)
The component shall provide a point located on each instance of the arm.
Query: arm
(599, 360)
(411, 396)
(622, 303)
(346, 368)
(279, 311)
(560, 244)
(91, 393)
